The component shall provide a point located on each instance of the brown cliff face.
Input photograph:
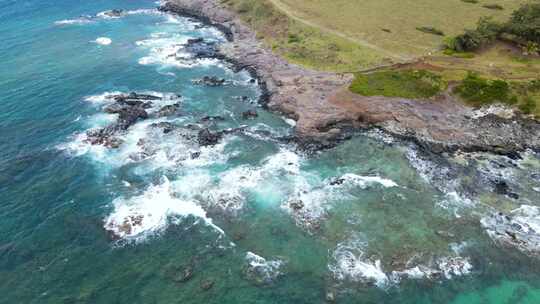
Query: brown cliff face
(323, 107)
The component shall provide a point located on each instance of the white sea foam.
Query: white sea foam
(78, 21)
(290, 122)
(261, 269)
(414, 273)
(167, 49)
(103, 41)
(529, 218)
(102, 98)
(455, 203)
(443, 180)
(366, 181)
(350, 263)
(311, 197)
(454, 266)
(164, 151)
(105, 15)
(150, 212)
(145, 11)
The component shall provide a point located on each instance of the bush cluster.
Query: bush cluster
(523, 27)
(479, 91)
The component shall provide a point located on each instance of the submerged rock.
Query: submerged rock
(520, 228)
(168, 110)
(250, 114)
(501, 187)
(212, 118)
(296, 204)
(207, 284)
(185, 274)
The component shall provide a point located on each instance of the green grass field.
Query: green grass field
(393, 25)
(348, 36)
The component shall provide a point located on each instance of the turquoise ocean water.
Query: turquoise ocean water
(251, 219)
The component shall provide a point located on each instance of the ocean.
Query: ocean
(250, 218)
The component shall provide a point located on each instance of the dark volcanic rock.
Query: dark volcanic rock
(296, 204)
(129, 116)
(130, 108)
(337, 182)
(202, 49)
(166, 126)
(501, 187)
(105, 137)
(114, 108)
(211, 81)
(114, 13)
(207, 138)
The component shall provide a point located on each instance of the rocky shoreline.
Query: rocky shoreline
(325, 110)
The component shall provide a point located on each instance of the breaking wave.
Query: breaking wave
(349, 262)
(149, 213)
(262, 270)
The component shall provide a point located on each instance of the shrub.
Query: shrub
(525, 22)
(430, 30)
(485, 33)
(479, 91)
(534, 85)
(493, 7)
(293, 38)
(528, 106)
(470, 1)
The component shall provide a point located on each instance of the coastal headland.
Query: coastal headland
(326, 111)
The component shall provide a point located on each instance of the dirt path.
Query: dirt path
(290, 13)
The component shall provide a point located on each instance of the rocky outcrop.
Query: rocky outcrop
(325, 110)
(208, 138)
(130, 108)
(200, 48)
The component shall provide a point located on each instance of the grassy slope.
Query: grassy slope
(301, 43)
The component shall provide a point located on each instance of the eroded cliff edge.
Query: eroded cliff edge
(325, 110)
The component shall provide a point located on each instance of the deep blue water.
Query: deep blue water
(225, 216)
